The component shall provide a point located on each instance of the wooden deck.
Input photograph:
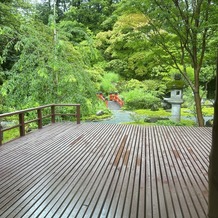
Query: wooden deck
(106, 170)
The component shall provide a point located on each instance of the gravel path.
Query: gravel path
(113, 105)
(118, 117)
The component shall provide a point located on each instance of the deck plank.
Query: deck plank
(106, 170)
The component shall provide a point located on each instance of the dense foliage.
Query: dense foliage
(67, 50)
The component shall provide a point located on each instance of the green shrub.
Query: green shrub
(176, 84)
(139, 99)
(208, 111)
(134, 84)
(109, 82)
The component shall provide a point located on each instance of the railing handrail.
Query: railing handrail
(35, 108)
(39, 118)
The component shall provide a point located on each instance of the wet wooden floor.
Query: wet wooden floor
(106, 170)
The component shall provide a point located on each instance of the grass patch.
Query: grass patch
(96, 118)
(164, 123)
(140, 117)
(185, 112)
(147, 112)
(207, 111)
(10, 134)
(141, 123)
(173, 123)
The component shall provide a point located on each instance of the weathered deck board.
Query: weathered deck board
(106, 170)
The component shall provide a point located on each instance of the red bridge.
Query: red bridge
(114, 97)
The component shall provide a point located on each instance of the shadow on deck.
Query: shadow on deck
(106, 170)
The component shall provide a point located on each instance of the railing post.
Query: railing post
(22, 124)
(39, 113)
(1, 134)
(78, 114)
(53, 113)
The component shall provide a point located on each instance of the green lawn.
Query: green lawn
(139, 116)
(207, 111)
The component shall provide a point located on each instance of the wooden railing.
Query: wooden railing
(22, 122)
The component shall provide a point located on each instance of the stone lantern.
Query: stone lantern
(176, 98)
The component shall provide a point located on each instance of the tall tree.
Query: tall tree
(11, 14)
(47, 68)
(127, 48)
(91, 13)
(192, 24)
(41, 76)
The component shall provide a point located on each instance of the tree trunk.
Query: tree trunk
(213, 167)
(196, 90)
(199, 114)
